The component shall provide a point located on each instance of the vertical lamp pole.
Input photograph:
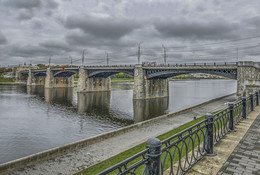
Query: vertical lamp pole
(107, 59)
(139, 52)
(83, 58)
(49, 61)
(237, 54)
(164, 54)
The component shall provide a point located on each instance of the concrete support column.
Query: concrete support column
(30, 78)
(149, 88)
(92, 84)
(82, 80)
(98, 84)
(248, 77)
(19, 76)
(49, 80)
(63, 81)
(139, 85)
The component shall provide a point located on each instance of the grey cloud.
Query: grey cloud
(26, 4)
(220, 51)
(82, 39)
(37, 24)
(214, 29)
(25, 14)
(3, 39)
(253, 21)
(51, 4)
(30, 51)
(102, 27)
(56, 45)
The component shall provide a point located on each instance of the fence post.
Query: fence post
(257, 98)
(209, 142)
(251, 95)
(258, 95)
(154, 155)
(231, 117)
(244, 107)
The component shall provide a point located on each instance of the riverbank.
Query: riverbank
(89, 155)
(12, 83)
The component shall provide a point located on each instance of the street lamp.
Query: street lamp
(139, 52)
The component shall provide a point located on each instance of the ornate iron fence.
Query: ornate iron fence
(130, 165)
(221, 123)
(190, 143)
(238, 111)
(248, 105)
(178, 153)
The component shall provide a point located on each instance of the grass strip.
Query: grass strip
(130, 152)
(116, 80)
(6, 79)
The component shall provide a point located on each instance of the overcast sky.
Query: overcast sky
(190, 30)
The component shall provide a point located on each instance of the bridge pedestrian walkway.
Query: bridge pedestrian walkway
(237, 153)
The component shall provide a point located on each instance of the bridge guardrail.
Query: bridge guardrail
(178, 153)
(153, 65)
(193, 64)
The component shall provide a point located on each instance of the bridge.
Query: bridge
(150, 81)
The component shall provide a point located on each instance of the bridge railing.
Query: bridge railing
(193, 64)
(150, 65)
(125, 65)
(178, 153)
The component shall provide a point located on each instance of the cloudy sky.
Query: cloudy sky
(190, 30)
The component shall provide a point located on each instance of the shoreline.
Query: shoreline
(57, 152)
(12, 83)
(114, 81)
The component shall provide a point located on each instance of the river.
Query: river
(33, 119)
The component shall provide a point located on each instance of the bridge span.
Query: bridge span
(150, 81)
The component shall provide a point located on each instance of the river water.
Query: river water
(33, 119)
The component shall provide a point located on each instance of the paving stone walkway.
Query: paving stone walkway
(245, 159)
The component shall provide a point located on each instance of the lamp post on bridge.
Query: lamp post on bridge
(107, 59)
(83, 57)
(237, 54)
(164, 54)
(49, 61)
(139, 52)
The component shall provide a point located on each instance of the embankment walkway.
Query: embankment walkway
(237, 153)
(87, 156)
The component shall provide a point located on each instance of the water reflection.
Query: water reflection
(147, 109)
(63, 96)
(94, 103)
(97, 104)
(35, 90)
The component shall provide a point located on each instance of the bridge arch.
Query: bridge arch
(157, 74)
(39, 74)
(65, 73)
(107, 72)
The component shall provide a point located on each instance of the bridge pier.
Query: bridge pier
(19, 76)
(34, 80)
(145, 88)
(248, 77)
(92, 84)
(60, 81)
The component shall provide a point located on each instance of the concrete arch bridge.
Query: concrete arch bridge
(149, 81)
